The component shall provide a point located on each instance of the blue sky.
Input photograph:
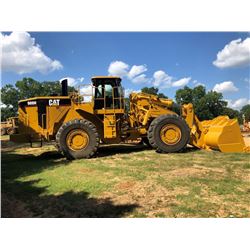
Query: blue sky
(168, 60)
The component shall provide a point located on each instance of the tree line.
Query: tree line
(207, 105)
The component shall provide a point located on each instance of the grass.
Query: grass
(124, 181)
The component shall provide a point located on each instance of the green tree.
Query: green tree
(232, 113)
(153, 91)
(7, 112)
(184, 96)
(206, 105)
(215, 103)
(245, 110)
(28, 87)
(202, 110)
(9, 97)
(198, 93)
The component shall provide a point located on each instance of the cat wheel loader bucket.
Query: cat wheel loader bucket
(221, 133)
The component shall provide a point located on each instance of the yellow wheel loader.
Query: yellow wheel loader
(77, 123)
(10, 126)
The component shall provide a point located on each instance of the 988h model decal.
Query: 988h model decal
(46, 102)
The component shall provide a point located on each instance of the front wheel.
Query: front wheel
(168, 133)
(77, 139)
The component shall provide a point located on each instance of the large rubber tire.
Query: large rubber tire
(158, 124)
(77, 125)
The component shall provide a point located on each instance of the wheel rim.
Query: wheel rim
(77, 140)
(170, 134)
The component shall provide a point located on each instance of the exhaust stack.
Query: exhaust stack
(64, 87)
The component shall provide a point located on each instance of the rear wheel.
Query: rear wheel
(168, 133)
(77, 139)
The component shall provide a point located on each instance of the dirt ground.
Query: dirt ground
(127, 180)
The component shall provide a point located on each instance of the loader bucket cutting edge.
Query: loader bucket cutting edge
(223, 134)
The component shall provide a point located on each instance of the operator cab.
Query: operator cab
(108, 92)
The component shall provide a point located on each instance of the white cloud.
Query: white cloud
(118, 68)
(161, 78)
(141, 79)
(136, 70)
(223, 87)
(20, 54)
(247, 80)
(81, 79)
(135, 74)
(129, 91)
(87, 92)
(234, 54)
(238, 104)
(73, 81)
(182, 82)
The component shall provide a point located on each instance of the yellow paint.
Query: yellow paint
(77, 140)
(170, 134)
(220, 133)
(109, 126)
